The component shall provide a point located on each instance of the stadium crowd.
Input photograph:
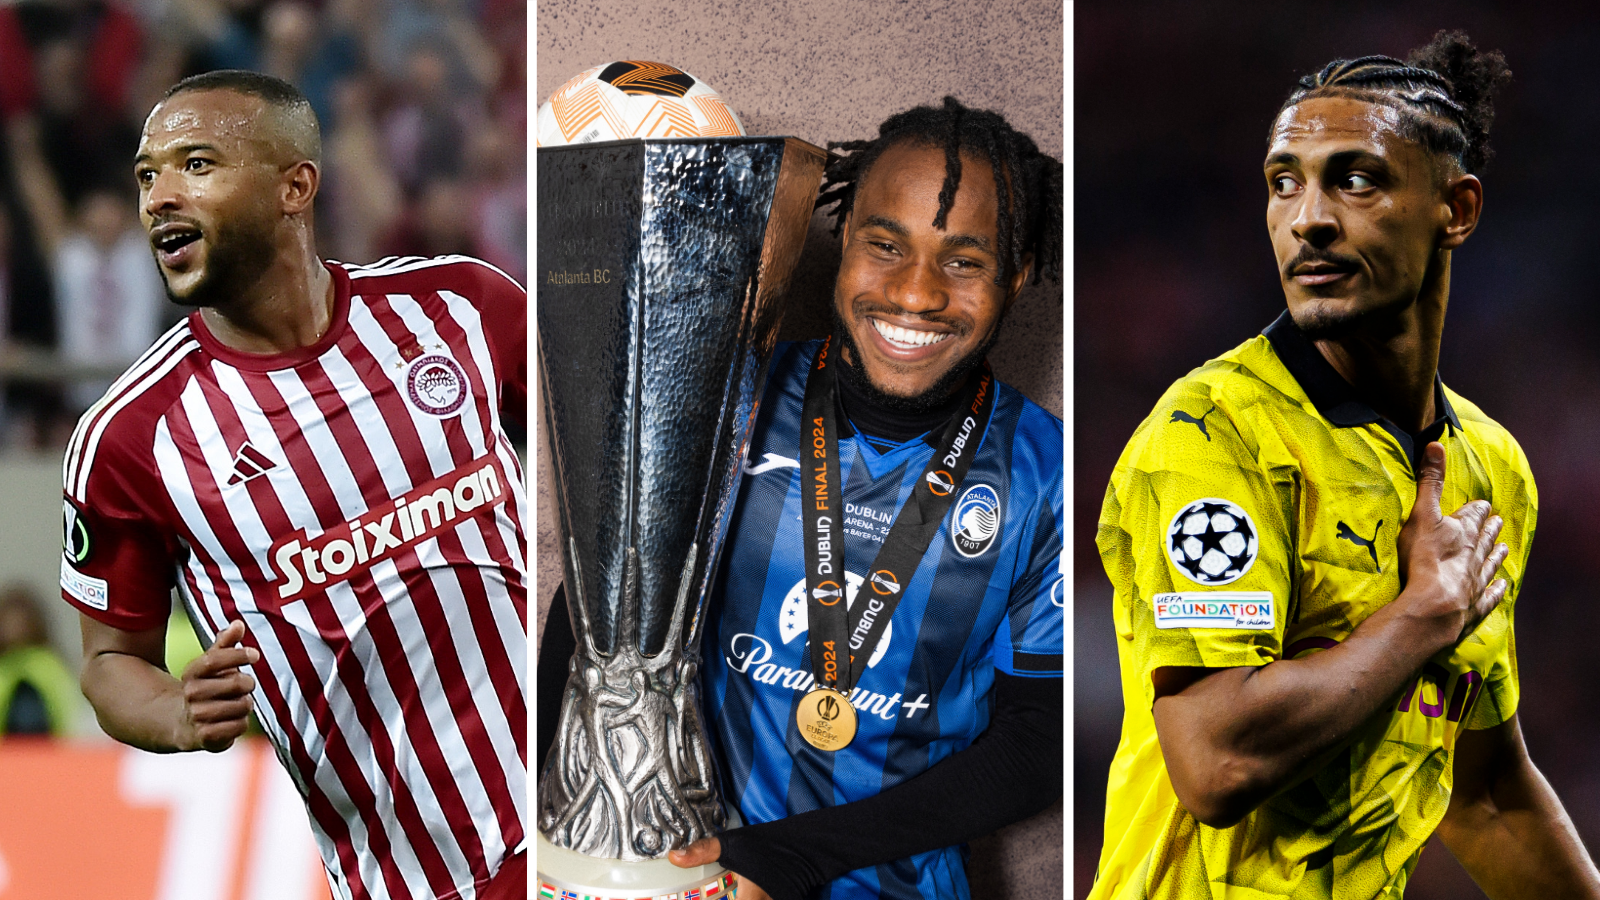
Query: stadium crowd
(423, 111)
(1174, 267)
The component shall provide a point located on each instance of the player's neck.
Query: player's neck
(868, 413)
(1392, 360)
(290, 306)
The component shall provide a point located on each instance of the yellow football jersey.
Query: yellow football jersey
(1253, 517)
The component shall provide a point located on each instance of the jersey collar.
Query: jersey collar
(1337, 400)
(338, 324)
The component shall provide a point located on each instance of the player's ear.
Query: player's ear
(1019, 279)
(1463, 198)
(298, 186)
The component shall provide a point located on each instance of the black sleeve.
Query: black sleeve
(556, 646)
(1010, 772)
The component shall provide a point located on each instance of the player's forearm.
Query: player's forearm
(1011, 772)
(1238, 736)
(1516, 840)
(135, 702)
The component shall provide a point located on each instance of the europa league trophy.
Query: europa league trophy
(660, 267)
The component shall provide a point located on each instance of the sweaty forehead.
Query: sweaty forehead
(1343, 120)
(222, 118)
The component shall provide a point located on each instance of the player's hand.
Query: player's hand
(1447, 562)
(216, 695)
(706, 851)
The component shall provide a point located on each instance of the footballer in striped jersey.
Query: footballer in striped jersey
(314, 460)
(954, 638)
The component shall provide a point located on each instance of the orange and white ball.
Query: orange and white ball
(634, 99)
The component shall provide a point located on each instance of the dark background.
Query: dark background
(1173, 102)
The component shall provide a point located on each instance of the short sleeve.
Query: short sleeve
(1501, 690)
(502, 305)
(119, 556)
(1030, 640)
(1196, 534)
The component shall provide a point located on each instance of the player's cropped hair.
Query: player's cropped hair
(1028, 183)
(280, 95)
(1444, 90)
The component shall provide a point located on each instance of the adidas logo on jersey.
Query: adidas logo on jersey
(248, 463)
(306, 565)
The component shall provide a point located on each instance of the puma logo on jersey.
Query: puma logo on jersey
(1346, 532)
(770, 461)
(248, 463)
(1179, 415)
(306, 565)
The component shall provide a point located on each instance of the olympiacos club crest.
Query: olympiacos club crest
(436, 385)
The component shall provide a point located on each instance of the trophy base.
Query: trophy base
(566, 875)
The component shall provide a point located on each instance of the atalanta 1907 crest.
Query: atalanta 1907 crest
(976, 520)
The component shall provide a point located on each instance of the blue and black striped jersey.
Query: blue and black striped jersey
(987, 595)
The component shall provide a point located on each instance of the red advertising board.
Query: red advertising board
(107, 822)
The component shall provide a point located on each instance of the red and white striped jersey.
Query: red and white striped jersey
(357, 504)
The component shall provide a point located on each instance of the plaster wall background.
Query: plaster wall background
(832, 71)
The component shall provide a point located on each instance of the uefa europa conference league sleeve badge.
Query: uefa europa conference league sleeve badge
(663, 259)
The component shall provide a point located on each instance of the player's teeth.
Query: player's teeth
(908, 337)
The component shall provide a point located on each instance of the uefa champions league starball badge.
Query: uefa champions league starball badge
(1212, 541)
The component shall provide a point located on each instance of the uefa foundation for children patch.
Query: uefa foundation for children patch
(1238, 610)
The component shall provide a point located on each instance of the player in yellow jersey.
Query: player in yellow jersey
(1316, 547)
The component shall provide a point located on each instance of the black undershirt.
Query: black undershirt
(1012, 770)
(879, 424)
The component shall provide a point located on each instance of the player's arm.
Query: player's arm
(139, 703)
(1234, 737)
(1010, 772)
(1507, 827)
(503, 304)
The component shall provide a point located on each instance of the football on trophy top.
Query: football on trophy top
(634, 99)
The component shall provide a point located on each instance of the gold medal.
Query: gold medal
(827, 720)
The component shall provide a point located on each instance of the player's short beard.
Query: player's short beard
(1322, 324)
(236, 259)
(851, 369)
(1318, 323)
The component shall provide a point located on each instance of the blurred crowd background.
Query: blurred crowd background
(423, 105)
(423, 110)
(1173, 102)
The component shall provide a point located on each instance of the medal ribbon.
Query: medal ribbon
(842, 641)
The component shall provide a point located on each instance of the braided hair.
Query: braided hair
(1027, 182)
(1444, 91)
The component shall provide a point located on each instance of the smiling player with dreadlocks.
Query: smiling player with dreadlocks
(948, 510)
(1314, 614)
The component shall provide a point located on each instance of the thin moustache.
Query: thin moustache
(1309, 255)
(158, 223)
(896, 315)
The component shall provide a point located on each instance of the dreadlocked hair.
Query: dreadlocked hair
(1444, 90)
(1027, 183)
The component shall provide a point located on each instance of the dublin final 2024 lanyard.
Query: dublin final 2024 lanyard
(843, 636)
